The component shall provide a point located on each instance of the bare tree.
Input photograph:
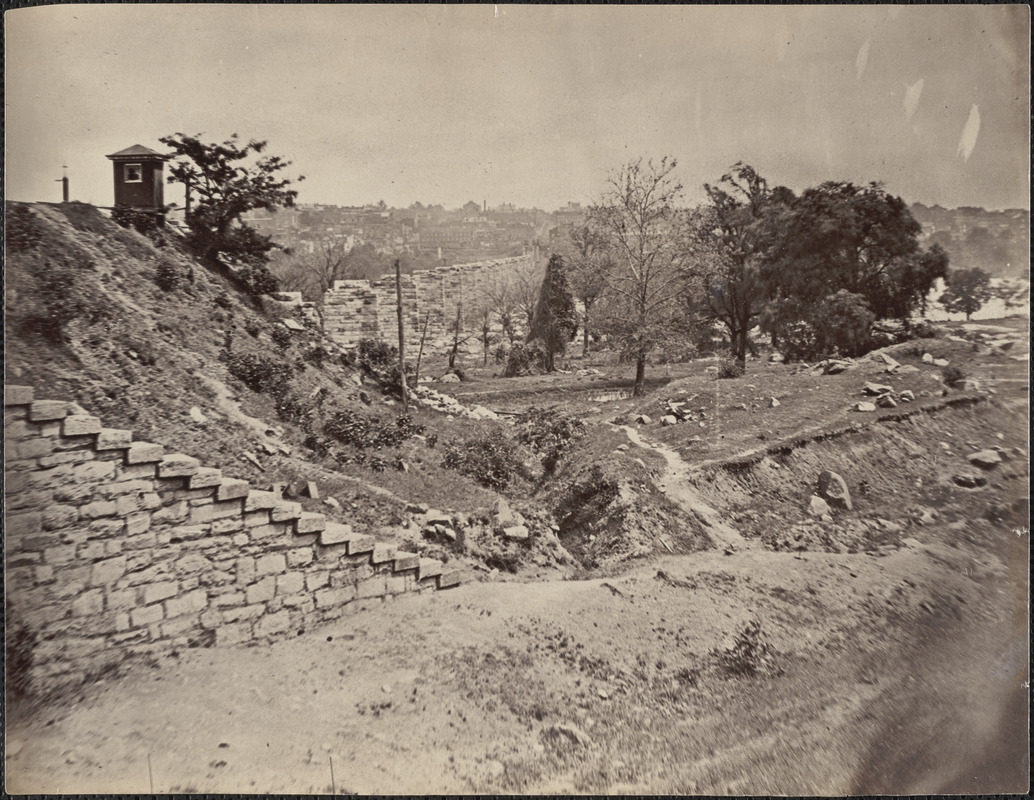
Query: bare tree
(525, 286)
(641, 215)
(589, 256)
(313, 273)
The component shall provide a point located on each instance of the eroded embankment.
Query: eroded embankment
(901, 470)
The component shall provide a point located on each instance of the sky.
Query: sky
(531, 105)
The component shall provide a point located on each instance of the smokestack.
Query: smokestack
(484, 206)
(64, 183)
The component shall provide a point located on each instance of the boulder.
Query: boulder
(927, 358)
(436, 517)
(518, 533)
(940, 362)
(643, 419)
(197, 416)
(969, 481)
(502, 515)
(669, 419)
(890, 362)
(985, 459)
(907, 369)
(876, 389)
(833, 489)
(886, 401)
(776, 358)
(818, 507)
(906, 396)
(835, 367)
(773, 403)
(449, 377)
(417, 508)
(864, 406)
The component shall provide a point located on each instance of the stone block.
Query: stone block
(383, 553)
(406, 561)
(189, 603)
(232, 489)
(90, 551)
(144, 453)
(206, 477)
(113, 439)
(262, 591)
(18, 395)
(257, 500)
(211, 619)
(34, 448)
(139, 472)
(180, 626)
(44, 574)
(272, 624)
(371, 587)
(299, 557)
(121, 599)
(222, 510)
(290, 583)
(174, 512)
(244, 612)
(177, 465)
(245, 570)
(228, 600)
(310, 523)
(228, 525)
(186, 533)
(329, 598)
(24, 524)
(108, 571)
(97, 471)
(448, 579)
(253, 518)
(80, 425)
(162, 590)
(271, 564)
(335, 533)
(269, 531)
(285, 512)
(137, 523)
(316, 580)
(59, 554)
(233, 634)
(99, 508)
(361, 545)
(47, 410)
(429, 568)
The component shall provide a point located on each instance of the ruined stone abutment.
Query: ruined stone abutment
(116, 549)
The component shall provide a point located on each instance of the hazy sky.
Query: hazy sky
(529, 104)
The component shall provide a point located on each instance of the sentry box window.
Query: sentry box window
(134, 173)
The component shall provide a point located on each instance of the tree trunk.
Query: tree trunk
(585, 340)
(640, 375)
(402, 337)
(739, 346)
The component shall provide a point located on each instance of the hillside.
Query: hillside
(997, 242)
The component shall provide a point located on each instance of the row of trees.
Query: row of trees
(813, 271)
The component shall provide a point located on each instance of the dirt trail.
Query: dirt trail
(678, 489)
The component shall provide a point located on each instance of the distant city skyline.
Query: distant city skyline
(529, 105)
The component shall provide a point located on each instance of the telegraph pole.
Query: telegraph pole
(402, 336)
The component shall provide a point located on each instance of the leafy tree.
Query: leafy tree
(588, 255)
(555, 322)
(966, 292)
(640, 214)
(733, 238)
(228, 179)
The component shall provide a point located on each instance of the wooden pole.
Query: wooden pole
(402, 336)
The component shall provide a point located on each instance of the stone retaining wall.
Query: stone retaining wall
(117, 549)
(354, 310)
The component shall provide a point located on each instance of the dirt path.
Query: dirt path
(678, 489)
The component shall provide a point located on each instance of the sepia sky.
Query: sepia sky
(529, 104)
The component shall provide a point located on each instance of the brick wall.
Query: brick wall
(354, 310)
(116, 549)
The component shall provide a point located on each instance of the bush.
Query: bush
(749, 654)
(61, 297)
(352, 428)
(729, 367)
(21, 230)
(281, 338)
(317, 355)
(257, 280)
(843, 324)
(259, 373)
(167, 276)
(583, 501)
(492, 460)
(222, 300)
(549, 434)
(953, 377)
(525, 359)
(20, 654)
(924, 330)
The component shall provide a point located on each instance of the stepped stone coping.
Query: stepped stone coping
(358, 545)
(114, 439)
(310, 522)
(47, 410)
(406, 561)
(429, 568)
(80, 425)
(448, 579)
(336, 533)
(178, 465)
(261, 501)
(18, 395)
(206, 478)
(144, 453)
(383, 553)
(232, 489)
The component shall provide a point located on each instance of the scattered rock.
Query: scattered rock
(417, 508)
(198, 416)
(835, 366)
(886, 401)
(776, 358)
(969, 481)
(907, 369)
(518, 533)
(890, 362)
(906, 396)
(818, 507)
(865, 407)
(668, 419)
(927, 358)
(332, 502)
(773, 403)
(449, 377)
(985, 459)
(971, 385)
(833, 489)
(248, 456)
(622, 448)
(643, 419)
(876, 389)
(940, 362)
(571, 732)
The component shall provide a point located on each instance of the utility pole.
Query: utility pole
(402, 336)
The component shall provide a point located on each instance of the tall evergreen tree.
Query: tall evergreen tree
(555, 321)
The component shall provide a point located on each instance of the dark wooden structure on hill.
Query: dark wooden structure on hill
(139, 180)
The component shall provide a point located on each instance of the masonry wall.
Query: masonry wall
(354, 310)
(116, 549)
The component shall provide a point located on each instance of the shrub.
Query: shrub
(317, 355)
(281, 338)
(259, 373)
(749, 654)
(843, 324)
(525, 359)
(257, 279)
(167, 276)
(924, 329)
(492, 460)
(350, 427)
(549, 434)
(290, 409)
(798, 341)
(729, 367)
(222, 300)
(20, 654)
(61, 296)
(953, 376)
(21, 229)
